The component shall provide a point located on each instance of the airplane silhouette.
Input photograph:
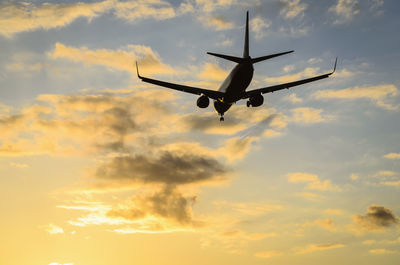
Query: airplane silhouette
(234, 87)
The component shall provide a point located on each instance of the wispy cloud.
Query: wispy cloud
(216, 22)
(53, 229)
(268, 254)
(318, 247)
(345, 10)
(293, 9)
(20, 16)
(378, 94)
(259, 26)
(392, 156)
(381, 251)
(122, 59)
(309, 116)
(313, 181)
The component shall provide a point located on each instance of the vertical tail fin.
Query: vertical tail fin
(246, 38)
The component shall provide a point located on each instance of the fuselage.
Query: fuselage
(234, 86)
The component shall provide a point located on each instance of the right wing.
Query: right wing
(188, 89)
(270, 89)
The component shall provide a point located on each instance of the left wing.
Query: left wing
(286, 85)
(188, 89)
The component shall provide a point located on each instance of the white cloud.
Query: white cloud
(309, 116)
(292, 9)
(378, 94)
(216, 22)
(259, 26)
(122, 59)
(53, 229)
(345, 10)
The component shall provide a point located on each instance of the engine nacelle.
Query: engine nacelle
(255, 101)
(203, 102)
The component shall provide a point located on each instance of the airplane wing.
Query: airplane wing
(188, 89)
(271, 89)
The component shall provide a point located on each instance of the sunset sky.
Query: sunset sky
(99, 168)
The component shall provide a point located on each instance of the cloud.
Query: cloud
(259, 26)
(82, 124)
(392, 156)
(53, 229)
(237, 147)
(20, 16)
(212, 5)
(122, 59)
(167, 203)
(268, 254)
(375, 7)
(313, 181)
(225, 43)
(216, 22)
(333, 211)
(135, 10)
(308, 195)
(323, 223)
(378, 94)
(308, 72)
(381, 251)
(319, 247)
(391, 183)
(354, 177)
(166, 168)
(249, 208)
(309, 116)
(18, 165)
(293, 98)
(377, 218)
(249, 121)
(345, 10)
(293, 9)
(212, 72)
(301, 177)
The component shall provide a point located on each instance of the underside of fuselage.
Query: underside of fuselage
(234, 86)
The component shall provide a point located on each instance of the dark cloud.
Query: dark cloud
(376, 218)
(167, 203)
(168, 168)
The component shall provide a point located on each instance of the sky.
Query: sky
(99, 168)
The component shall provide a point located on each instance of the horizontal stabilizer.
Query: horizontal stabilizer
(227, 57)
(262, 58)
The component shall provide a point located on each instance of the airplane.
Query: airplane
(234, 87)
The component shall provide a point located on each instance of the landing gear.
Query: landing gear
(222, 116)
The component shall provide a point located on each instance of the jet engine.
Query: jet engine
(255, 101)
(203, 102)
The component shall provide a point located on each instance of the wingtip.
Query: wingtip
(334, 67)
(137, 70)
